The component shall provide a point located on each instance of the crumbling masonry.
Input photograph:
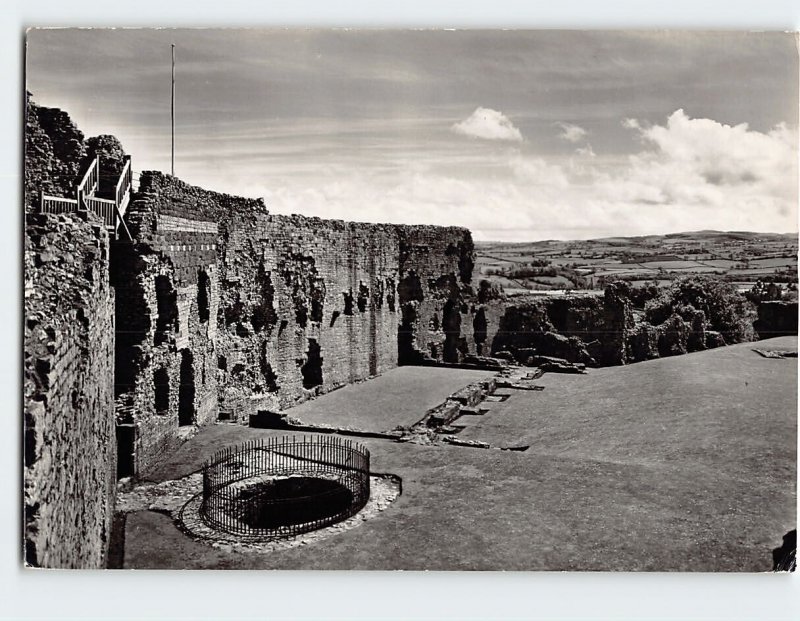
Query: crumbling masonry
(214, 310)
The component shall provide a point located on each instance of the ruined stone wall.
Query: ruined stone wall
(167, 304)
(444, 316)
(776, 318)
(296, 306)
(54, 152)
(70, 456)
(307, 305)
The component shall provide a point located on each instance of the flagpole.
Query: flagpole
(172, 109)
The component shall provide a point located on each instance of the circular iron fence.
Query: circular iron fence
(283, 486)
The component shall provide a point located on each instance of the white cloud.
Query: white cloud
(686, 174)
(630, 123)
(704, 162)
(488, 124)
(571, 133)
(536, 171)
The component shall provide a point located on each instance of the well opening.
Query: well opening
(284, 486)
(302, 498)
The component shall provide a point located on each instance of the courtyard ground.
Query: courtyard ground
(400, 396)
(684, 463)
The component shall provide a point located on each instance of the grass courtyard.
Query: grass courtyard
(684, 463)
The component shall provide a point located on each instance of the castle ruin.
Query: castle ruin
(195, 307)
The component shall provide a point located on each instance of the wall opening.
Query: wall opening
(406, 352)
(203, 292)
(301, 312)
(167, 305)
(312, 368)
(316, 309)
(479, 330)
(390, 294)
(264, 315)
(363, 297)
(126, 457)
(317, 300)
(186, 392)
(451, 323)
(234, 311)
(269, 375)
(161, 390)
(410, 288)
(271, 378)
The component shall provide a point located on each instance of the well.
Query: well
(282, 486)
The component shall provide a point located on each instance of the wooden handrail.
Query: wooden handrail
(57, 204)
(124, 183)
(103, 207)
(110, 211)
(123, 193)
(90, 180)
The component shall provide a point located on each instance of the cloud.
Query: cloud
(488, 124)
(630, 123)
(685, 174)
(571, 133)
(702, 161)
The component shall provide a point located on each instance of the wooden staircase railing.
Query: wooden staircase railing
(110, 211)
(90, 181)
(122, 194)
(56, 204)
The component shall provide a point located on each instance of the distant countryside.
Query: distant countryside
(552, 267)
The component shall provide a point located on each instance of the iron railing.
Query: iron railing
(283, 486)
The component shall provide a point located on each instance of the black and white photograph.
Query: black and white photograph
(410, 299)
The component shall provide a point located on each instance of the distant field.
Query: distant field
(720, 263)
(672, 265)
(739, 256)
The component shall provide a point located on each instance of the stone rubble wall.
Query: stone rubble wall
(444, 315)
(217, 310)
(167, 298)
(54, 152)
(299, 306)
(69, 449)
(307, 306)
(776, 318)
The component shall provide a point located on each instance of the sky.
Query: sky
(517, 135)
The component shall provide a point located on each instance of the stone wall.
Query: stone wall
(69, 449)
(307, 305)
(445, 317)
(221, 310)
(167, 305)
(776, 318)
(294, 306)
(599, 331)
(54, 153)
